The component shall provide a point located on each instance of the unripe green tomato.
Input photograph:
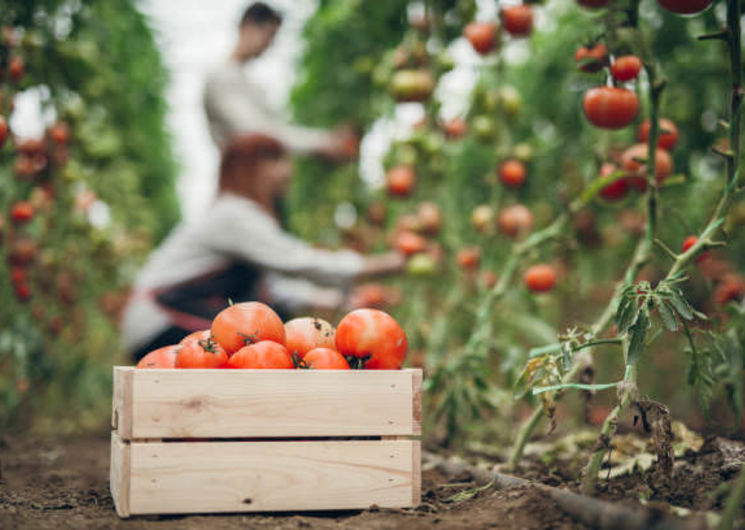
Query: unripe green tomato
(421, 265)
(445, 62)
(406, 154)
(432, 143)
(484, 128)
(523, 152)
(511, 100)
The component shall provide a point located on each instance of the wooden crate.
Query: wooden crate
(208, 441)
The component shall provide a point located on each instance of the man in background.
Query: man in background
(235, 105)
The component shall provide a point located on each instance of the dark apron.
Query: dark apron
(191, 305)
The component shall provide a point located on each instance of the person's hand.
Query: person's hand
(386, 263)
(343, 145)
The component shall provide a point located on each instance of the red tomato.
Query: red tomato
(540, 278)
(630, 163)
(482, 35)
(730, 289)
(16, 68)
(512, 173)
(489, 279)
(593, 4)
(668, 134)
(373, 338)
(201, 354)
(265, 355)
(610, 107)
(246, 323)
(454, 128)
(306, 333)
(59, 133)
(30, 146)
(22, 291)
(23, 251)
(626, 67)
(202, 334)
(401, 180)
(468, 258)
(591, 58)
(689, 242)
(614, 191)
(3, 130)
(24, 166)
(429, 217)
(18, 275)
(377, 212)
(409, 243)
(515, 221)
(517, 20)
(164, 357)
(21, 212)
(325, 359)
(685, 7)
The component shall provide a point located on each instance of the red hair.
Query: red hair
(244, 153)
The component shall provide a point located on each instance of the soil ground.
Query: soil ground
(63, 483)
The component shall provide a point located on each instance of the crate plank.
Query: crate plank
(211, 477)
(266, 403)
(119, 474)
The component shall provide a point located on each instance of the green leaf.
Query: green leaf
(543, 350)
(627, 313)
(667, 313)
(681, 304)
(579, 386)
(637, 333)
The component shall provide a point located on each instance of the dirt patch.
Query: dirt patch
(53, 484)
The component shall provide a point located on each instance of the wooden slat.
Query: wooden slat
(121, 415)
(416, 474)
(211, 477)
(416, 384)
(119, 474)
(266, 403)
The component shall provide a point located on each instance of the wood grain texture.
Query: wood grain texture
(416, 388)
(211, 477)
(119, 474)
(416, 473)
(121, 414)
(265, 403)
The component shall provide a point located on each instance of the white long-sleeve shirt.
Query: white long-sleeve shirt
(235, 105)
(234, 229)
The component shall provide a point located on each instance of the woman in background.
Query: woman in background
(238, 251)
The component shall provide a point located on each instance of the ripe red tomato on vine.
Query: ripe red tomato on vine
(667, 137)
(685, 7)
(409, 243)
(626, 67)
(482, 36)
(468, 258)
(512, 173)
(3, 130)
(610, 107)
(22, 212)
(592, 58)
(515, 221)
(632, 162)
(401, 180)
(517, 20)
(540, 278)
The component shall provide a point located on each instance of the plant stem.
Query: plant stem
(640, 257)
